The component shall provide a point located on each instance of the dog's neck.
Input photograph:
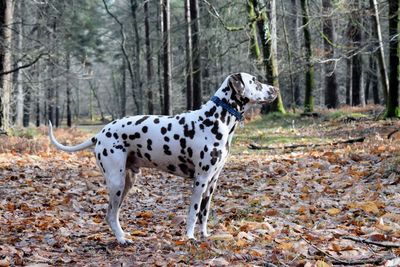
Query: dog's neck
(231, 97)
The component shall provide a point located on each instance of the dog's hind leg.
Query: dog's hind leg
(115, 174)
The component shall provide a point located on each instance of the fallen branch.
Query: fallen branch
(362, 261)
(349, 141)
(385, 244)
(392, 133)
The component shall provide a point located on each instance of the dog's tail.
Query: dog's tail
(86, 144)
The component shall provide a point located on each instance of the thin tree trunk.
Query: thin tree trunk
(68, 88)
(20, 87)
(348, 69)
(197, 81)
(289, 54)
(296, 47)
(381, 53)
(392, 106)
(160, 54)
(6, 19)
(122, 93)
(189, 59)
(374, 83)
(331, 86)
(138, 81)
(149, 60)
(94, 91)
(356, 59)
(167, 58)
(310, 83)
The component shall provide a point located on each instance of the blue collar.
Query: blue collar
(228, 107)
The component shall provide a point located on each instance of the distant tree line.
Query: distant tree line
(73, 61)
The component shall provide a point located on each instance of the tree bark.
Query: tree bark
(267, 34)
(167, 110)
(357, 66)
(381, 53)
(68, 89)
(310, 83)
(296, 46)
(392, 106)
(197, 76)
(138, 80)
(331, 85)
(160, 28)
(149, 60)
(20, 87)
(6, 20)
(189, 58)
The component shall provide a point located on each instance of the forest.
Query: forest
(313, 177)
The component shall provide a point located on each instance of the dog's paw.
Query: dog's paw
(205, 234)
(125, 242)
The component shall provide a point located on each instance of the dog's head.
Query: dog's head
(248, 89)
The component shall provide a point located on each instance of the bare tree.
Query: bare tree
(189, 58)
(197, 77)
(167, 110)
(393, 106)
(149, 59)
(331, 85)
(381, 52)
(310, 83)
(6, 19)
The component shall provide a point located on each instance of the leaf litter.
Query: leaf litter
(305, 207)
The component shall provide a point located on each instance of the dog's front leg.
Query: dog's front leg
(206, 202)
(199, 188)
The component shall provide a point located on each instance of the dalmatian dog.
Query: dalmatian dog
(193, 144)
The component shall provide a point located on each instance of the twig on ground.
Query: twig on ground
(392, 133)
(385, 244)
(349, 141)
(362, 261)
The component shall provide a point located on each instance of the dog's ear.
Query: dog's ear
(235, 82)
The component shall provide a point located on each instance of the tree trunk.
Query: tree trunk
(138, 80)
(392, 104)
(289, 54)
(6, 20)
(160, 28)
(189, 59)
(348, 82)
(167, 110)
(20, 86)
(296, 47)
(267, 34)
(381, 53)
(68, 88)
(356, 64)
(122, 93)
(310, 83)
(197, 81)
(374, 82)
(149, 60)
(93, 89)
(331, 86)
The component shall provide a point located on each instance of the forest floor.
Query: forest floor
(305, 199)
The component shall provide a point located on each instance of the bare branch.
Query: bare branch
(213, 11)
(23, 66)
